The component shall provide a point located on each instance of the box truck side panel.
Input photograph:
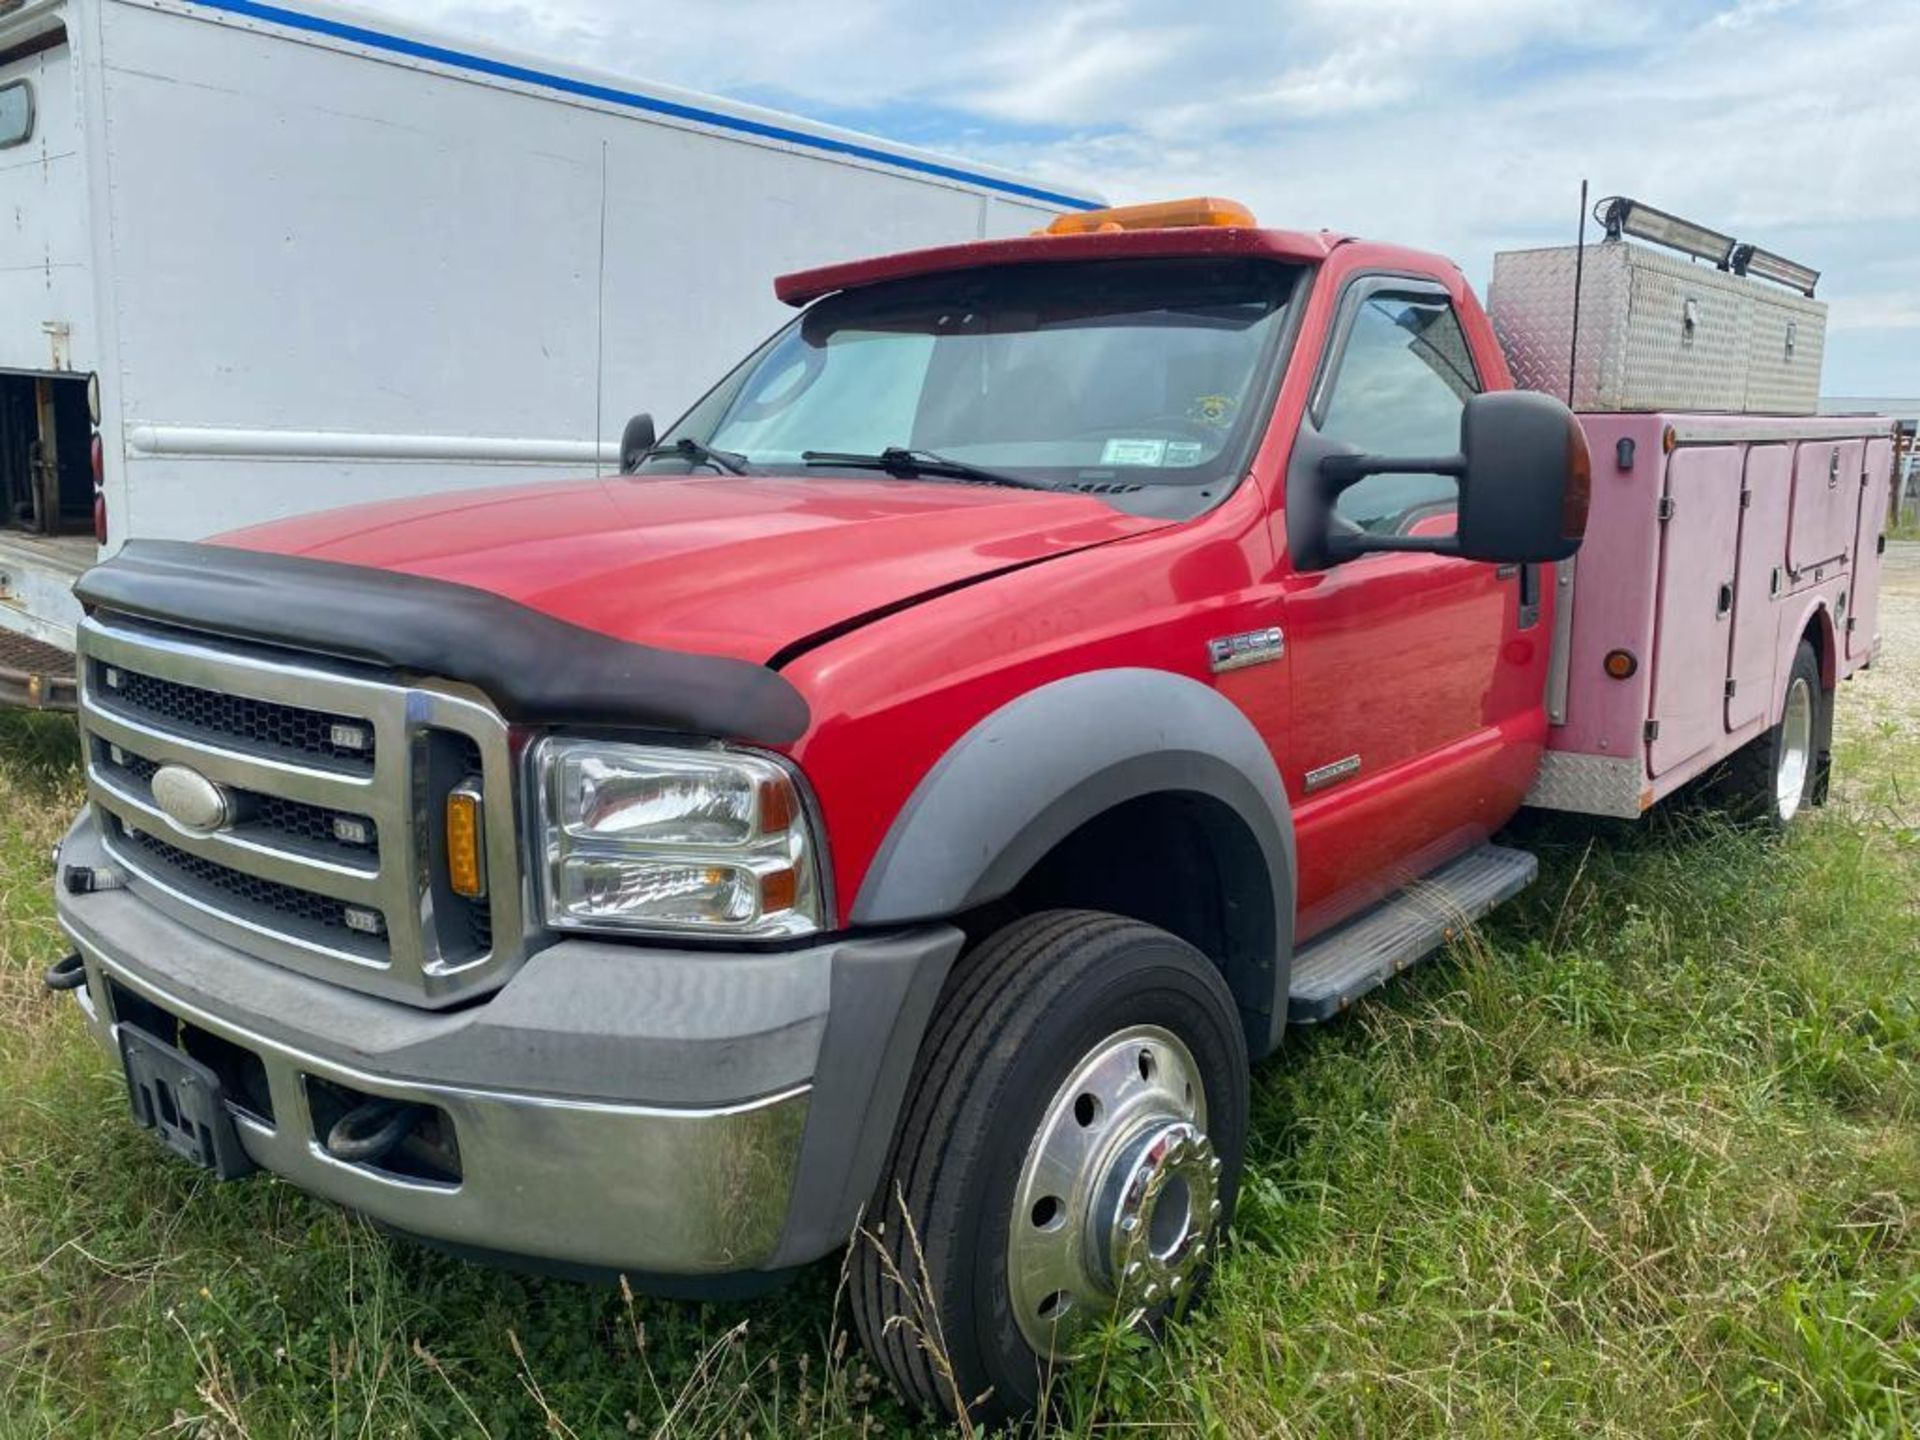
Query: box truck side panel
(46, 286)
(682, 206)
(372, 253)
(1758, 585)
(384, 274)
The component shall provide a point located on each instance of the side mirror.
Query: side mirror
(635, 441)
(1525, 478)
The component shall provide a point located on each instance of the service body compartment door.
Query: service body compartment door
(1699, 547)
(1863, 608)
(1826, 502)
(1758, 582)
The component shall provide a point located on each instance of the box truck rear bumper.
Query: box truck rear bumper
(653, 1112)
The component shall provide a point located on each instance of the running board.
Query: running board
(1363, 953)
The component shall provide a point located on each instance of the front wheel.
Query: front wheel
(1068, 1155)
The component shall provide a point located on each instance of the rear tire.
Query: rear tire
(1775, 776)
(1069, 1150)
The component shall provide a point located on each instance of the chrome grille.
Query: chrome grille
(305, 912)
(287, 730)
(333, 862)
(295, 826)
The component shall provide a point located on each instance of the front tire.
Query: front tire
(1069, 1152)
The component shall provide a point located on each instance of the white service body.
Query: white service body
(318, 258)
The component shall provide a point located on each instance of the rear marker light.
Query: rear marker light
(349, 737)
(1621, 664)
(364, 921)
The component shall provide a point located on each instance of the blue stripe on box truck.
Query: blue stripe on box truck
(629, 99)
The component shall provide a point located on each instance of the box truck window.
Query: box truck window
(16, 113)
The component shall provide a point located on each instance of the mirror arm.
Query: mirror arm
(1345, 547)
(1340, 472)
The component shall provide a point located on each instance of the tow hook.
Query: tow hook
(69, 972)
(368, 1133)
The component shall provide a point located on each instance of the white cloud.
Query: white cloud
(1460, 125)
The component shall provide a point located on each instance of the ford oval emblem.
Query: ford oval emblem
(190, 800)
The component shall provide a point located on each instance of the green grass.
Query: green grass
(1908, 527)
(1641, 1158)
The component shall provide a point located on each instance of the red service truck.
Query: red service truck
(908, 797)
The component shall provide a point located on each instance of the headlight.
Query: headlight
(659, 840)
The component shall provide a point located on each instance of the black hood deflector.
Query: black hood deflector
(536, 669)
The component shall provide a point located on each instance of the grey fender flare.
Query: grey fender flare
(1035, 770)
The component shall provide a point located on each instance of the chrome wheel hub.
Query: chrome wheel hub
(1796, 750)
(1117, 1201)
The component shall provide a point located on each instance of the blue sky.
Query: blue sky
(1460, 125)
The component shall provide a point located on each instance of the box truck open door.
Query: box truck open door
(46, 302)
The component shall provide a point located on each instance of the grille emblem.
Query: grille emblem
(190, 800)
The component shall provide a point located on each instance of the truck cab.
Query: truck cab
(894, 811)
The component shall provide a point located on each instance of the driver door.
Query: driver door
(1407, 671)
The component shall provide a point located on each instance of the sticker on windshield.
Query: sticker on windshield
(1185, 452)
(1134, 452)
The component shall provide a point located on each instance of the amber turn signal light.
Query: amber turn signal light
(466, 854)
(1621, 664)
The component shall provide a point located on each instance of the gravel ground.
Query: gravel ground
(1889, 693)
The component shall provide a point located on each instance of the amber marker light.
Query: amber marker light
(1621, 664)
(778, 891)
(466, 861)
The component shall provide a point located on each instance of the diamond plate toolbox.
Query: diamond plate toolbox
(1657, 332)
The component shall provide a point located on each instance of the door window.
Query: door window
(1403, 378)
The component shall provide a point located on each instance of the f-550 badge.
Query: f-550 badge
(1254, 647)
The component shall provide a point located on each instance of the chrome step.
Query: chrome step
(1339, 967)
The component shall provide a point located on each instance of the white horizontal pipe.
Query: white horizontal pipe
(211, 441)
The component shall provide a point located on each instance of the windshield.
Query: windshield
(1097, 375)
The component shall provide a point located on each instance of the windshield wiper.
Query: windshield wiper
(688, 448)
(905, 464)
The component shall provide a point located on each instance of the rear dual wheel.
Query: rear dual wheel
(1068, 1157)
(1773, 778)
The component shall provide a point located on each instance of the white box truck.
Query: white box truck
(282, 258)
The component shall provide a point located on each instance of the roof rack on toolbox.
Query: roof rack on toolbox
(1623, 215)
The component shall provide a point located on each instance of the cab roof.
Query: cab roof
(803, 287)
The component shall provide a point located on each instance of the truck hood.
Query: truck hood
(742, 566)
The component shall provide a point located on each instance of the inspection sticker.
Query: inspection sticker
(1134, 452)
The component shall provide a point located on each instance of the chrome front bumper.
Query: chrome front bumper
(651, 1112)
